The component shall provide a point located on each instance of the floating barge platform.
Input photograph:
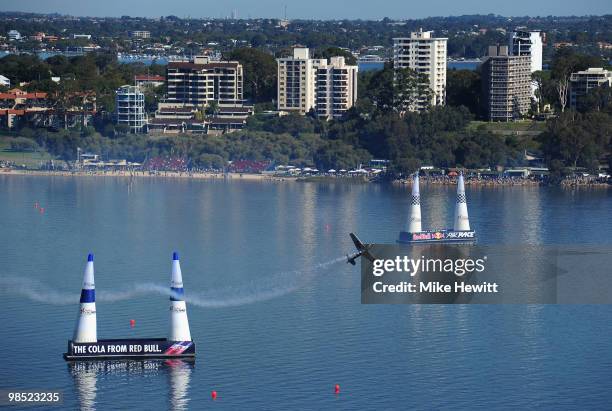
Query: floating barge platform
(136, 349)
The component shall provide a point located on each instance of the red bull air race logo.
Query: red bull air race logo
(443, 235)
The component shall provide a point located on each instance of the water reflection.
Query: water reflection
(179, 374)
(86, 375)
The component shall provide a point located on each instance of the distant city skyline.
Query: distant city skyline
(312, 9)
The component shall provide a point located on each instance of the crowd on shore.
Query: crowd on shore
(201, 174)
(473, 180)
(505, 181)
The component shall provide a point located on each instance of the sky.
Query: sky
(310, 9)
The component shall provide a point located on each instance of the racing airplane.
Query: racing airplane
(363, 250)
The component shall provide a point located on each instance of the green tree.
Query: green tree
(410, 89)
(334, 52)
(463, 88)
(260, 73)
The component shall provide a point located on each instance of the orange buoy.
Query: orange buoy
(42, 210)
(213, 395)
(132, 323)
(337, 389)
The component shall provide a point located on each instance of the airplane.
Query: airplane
(363, 250)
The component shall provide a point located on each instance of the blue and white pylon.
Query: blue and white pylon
(462, 221)
(86, 327)
(414, 223)
(179, 324)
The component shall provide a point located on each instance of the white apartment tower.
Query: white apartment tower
(528, 43)
(130, 108)
(328, 87)
(336, 88)
(426, 55)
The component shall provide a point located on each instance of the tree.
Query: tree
(336, 52)
(23, 144)
(577, 139)
(410, 90)
(377, 87)
(260, 72)
(212, 108)
(463, 88)
(538, 79)
(562, 87)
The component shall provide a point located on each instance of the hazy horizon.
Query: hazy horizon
(314, 9)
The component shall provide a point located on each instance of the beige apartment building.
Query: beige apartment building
(201, 81)
(426, 55)
(304, 84)
(506, 84)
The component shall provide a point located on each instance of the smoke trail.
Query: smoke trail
(261, 289)
(36, 291)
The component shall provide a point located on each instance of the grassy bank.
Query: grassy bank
(29, 159)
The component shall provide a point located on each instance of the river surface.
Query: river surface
(275, 314)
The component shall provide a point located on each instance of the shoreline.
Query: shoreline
(146, 174)
(508, 182)
(489, 183)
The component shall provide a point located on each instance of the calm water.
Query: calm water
(272, 331)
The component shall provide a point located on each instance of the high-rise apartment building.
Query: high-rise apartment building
(584, 81)
(528, 43)
(296, 81)
(425, 55)
(336, 88)
(506, 84)
(130, 108)
(200, 82)
(328, 87)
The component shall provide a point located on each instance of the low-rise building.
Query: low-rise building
(582, 82)
(5, 81)
(14, 35)
(140, 34)
(130, 108)
(170, 118)
(149, 80)
(20, 106)
(506, 82)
